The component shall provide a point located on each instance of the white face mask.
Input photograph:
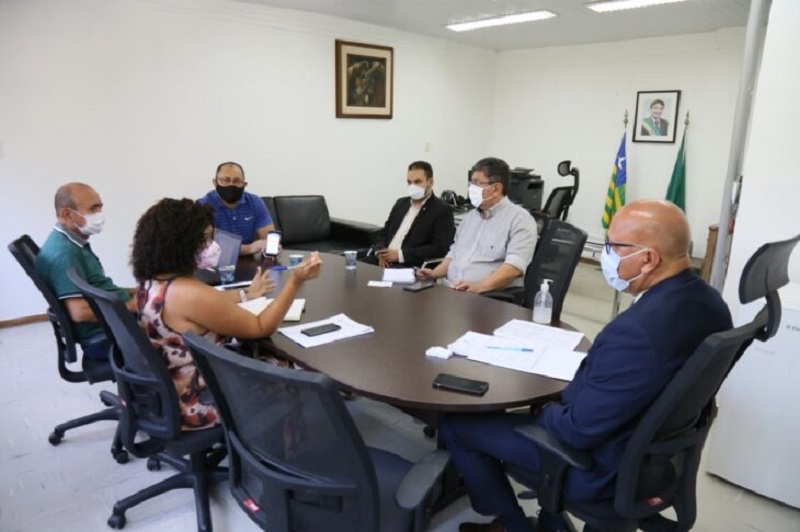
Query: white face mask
(416, 192)
(94, 223)
(209, 256)
(609, 262)
(475, 194)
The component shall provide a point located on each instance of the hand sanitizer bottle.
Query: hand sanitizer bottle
(543, 304)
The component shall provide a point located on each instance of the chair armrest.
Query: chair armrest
(420, 480)
(514, 294)
(556, 458)
(547, 442)
(365, 234)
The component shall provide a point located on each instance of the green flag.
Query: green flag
(676, 191)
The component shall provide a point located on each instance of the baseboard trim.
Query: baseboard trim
(25, 320)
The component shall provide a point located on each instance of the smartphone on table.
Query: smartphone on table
(320, 329)
(273, 246)
(453, 383)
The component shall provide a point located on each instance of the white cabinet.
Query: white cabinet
(756, 438)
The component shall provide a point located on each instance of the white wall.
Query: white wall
(768, 208)
(568, 102)
(142, 99)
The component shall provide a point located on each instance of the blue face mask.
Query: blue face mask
(609, 262)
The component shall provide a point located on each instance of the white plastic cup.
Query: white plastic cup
(350, 260)
(295, 259)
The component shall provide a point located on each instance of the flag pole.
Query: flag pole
(617, 293)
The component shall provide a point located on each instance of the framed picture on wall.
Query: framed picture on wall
(364, 80)
(656, 116)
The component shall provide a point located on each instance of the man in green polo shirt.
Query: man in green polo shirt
(79, 214)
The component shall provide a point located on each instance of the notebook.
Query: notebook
(260, 303)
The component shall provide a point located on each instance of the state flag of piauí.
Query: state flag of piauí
(615, 197)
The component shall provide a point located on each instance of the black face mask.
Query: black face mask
(231, 193)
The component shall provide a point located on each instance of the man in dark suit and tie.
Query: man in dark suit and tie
(420, 226)
(631, 361)
(655, 125)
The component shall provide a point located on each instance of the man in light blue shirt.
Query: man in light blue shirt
(495, 242)
(237, 211)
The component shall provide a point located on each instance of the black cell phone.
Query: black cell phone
(419, 285)
(273, 246)
(320, 329)
(445, 381)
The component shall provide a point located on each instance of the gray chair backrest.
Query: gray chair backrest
(229, 244)
(283, 428)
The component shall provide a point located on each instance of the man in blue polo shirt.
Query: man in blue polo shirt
(237, 211)
(79, 214)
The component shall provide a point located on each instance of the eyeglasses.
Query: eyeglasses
(227, 181)
(610, 245)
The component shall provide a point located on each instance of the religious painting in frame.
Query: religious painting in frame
(656, 116)
(364, 80)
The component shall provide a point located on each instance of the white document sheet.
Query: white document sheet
(399, 275)
(260, 303)
(541, 335)
(349, 329)
(520, 355)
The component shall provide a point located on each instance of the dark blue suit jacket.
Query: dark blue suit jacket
(629, 364)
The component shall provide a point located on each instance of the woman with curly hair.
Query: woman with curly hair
(169, 239)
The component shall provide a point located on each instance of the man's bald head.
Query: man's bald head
(655, 234)
(66, 196)
(656, 224)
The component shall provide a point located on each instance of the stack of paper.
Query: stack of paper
(399, 275)
(260, 303)
(543, 354)
(349, 328)
(542, 335)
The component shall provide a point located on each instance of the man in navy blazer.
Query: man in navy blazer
(629, 364)
(420, 225)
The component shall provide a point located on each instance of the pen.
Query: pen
(281, 267)
(504, 348)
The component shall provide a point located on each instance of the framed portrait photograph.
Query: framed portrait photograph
(364, 80)
(656, 116)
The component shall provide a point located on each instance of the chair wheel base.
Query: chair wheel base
(116, 521)
(55, 437)
(121, 457)
(153, 464)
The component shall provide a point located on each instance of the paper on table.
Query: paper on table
(399, 275)
(559, 363)
(380, 284)
(349, 328)
(518, 355)
(260, 303)
(541, 335)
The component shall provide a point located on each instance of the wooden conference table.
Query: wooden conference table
(390, 364)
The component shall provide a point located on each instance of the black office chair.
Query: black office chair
(660, 462)
(151, 423)
(557, 255)
(560, 199)
(25, 251)
(307, 225)
(269, 201)
(297, 461)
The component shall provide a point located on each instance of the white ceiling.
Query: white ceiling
(575, 24)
